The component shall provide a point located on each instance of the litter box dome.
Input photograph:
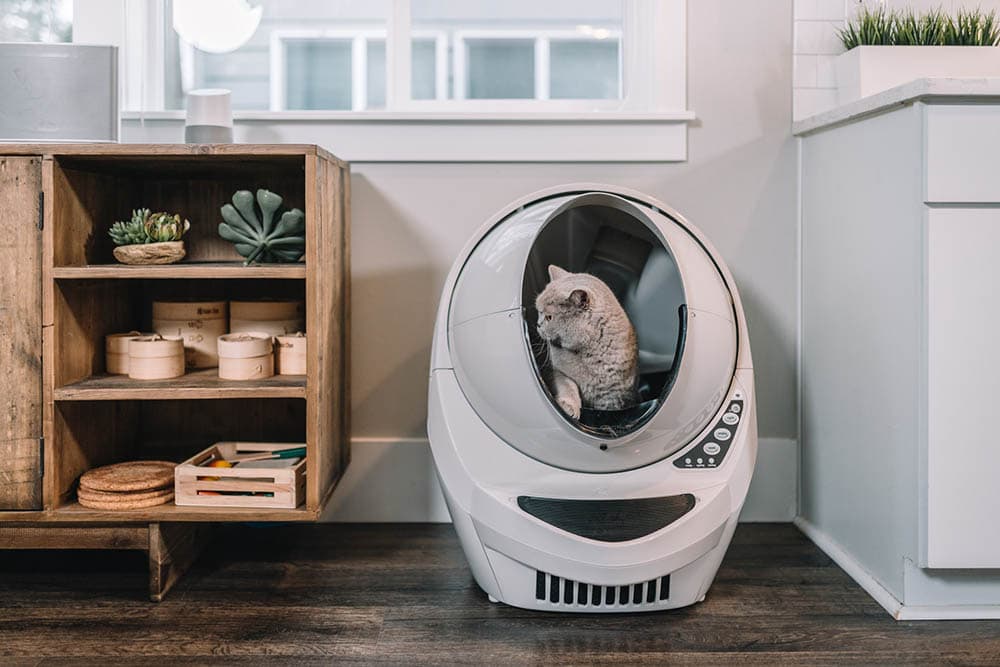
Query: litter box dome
(670, 285)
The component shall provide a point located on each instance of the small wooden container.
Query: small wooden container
(155, 357)
(246, 356)
(290, 354)
(199, 323)
(116, 351)
(260, 485)
(273, 317)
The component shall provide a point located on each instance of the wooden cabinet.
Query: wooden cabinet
(62, 292)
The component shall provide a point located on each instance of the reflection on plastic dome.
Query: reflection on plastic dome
(630, 258)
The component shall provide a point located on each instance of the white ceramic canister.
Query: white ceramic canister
(116, 351)
(247, 355)
(273, 317)
(199, 323)
(155, 357)
(290, 354)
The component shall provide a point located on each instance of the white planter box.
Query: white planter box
(867, 70)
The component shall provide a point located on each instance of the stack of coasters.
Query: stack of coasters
(127, 486)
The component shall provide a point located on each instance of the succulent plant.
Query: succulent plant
(162, 227)
(254, 232)
(146, 227)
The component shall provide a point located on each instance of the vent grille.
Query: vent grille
(558, 590)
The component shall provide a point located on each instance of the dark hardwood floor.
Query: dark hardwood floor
(402, 593)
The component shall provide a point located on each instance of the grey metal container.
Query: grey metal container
(58, 92)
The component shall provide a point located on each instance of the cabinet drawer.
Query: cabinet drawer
(962, 143)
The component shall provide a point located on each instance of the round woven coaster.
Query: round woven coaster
(122, 496)
(126, 504)
(130, 476)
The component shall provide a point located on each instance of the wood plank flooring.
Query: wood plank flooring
(403, 594)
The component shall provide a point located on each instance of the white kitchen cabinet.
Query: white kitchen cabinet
(900, 346)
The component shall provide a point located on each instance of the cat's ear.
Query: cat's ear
(555, 273)
(579, 298)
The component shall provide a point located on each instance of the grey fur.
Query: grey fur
(591, 343)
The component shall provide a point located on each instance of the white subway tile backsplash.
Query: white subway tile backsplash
(804, 71)
(819, 10)
(815, 48)
(826, 76)
(817, 38)
(808, 102)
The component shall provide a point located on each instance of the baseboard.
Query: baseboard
(852, 567)
(392, 480)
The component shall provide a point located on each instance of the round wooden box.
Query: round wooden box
(290, 354)
(116, 351)
(273, 317)
(155, 357)
(246, 356)
(198, 323)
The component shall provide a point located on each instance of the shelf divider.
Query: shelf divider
(291, 271)
(199, 384)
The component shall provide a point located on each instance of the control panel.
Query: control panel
(713, 447)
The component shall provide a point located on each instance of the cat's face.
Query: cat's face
(566, 313)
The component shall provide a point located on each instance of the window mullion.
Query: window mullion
(276, 79)
(543, 70)
(359, 73)
(398, 50)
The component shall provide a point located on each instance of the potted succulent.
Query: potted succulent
(149, 238)
(258, 233)
(888, 48)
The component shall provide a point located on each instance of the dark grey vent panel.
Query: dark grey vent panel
(609, 520)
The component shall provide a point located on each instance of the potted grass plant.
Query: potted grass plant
(888, 48)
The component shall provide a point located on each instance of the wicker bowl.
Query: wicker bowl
(166, 252)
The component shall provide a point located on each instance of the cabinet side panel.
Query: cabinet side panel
(20, 334)
(861, 338)
(325, 293)
(963, 367)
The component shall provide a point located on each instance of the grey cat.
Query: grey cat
(591, 343)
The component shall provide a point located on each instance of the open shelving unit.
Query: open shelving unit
(89, 418)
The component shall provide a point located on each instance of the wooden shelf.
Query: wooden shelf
(294, 271)
(200, 384)
(74, 511)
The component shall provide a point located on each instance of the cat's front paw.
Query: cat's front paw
(570, 408)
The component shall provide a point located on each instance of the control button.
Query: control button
(711, 460)
(700, 461)
(735, 407)
(687, 461)
(712, 448)
(730, 418)
(722, 434)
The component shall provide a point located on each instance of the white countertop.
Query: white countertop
(978, 90)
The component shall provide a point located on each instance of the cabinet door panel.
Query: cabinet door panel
(20, 335)
(963, 388)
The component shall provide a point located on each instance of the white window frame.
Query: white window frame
(648, 123)
(359, 38)
(653, 62)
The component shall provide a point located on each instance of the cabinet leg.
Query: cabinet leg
(173, 547)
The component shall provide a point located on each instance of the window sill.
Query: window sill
(448, 137)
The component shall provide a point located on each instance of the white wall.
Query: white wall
(411, 219)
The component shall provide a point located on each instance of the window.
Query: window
(409, 55)
(415, 80)
(36, 20)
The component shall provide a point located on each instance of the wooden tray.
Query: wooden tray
(196, 484)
